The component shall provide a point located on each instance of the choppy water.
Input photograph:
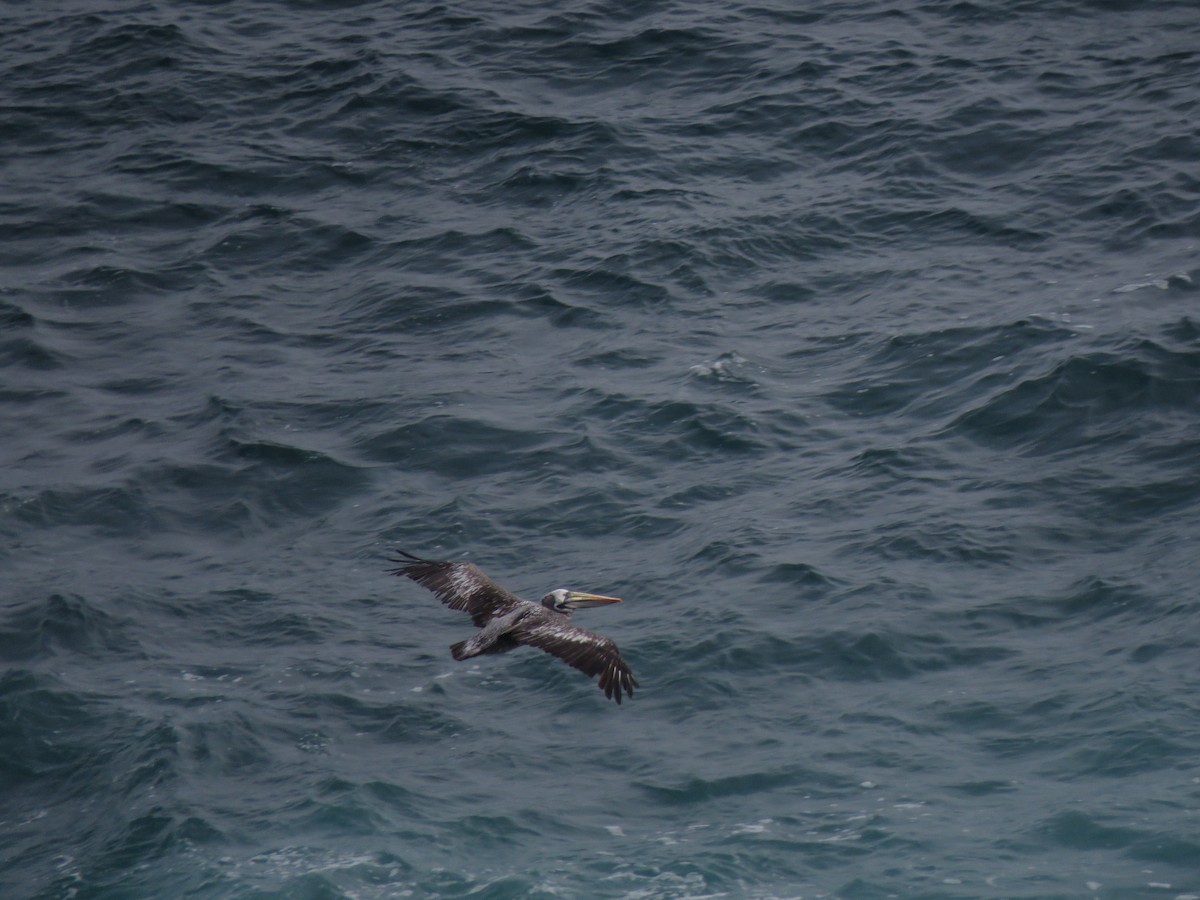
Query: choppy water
(856, 345)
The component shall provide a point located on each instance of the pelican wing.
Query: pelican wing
(460, 585)
(590, 653)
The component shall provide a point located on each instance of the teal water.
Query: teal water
(856, 348)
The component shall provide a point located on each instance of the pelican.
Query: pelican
(506, 621)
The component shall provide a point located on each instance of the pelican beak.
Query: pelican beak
(580, 600)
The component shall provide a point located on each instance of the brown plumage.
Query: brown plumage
(507, 621)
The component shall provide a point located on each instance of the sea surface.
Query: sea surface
(856, 345)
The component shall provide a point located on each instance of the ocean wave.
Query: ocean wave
(853, 346)
(1088, 400)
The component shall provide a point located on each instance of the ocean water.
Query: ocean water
(855, 344)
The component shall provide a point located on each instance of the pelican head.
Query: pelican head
(566, 602)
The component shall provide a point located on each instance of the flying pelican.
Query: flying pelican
(507, 621)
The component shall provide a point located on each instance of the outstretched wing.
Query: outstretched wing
(590, 653)
(460, 585)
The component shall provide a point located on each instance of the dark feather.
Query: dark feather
(460, 585)
(590, 653)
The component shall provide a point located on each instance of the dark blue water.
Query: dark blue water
(855, 345)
